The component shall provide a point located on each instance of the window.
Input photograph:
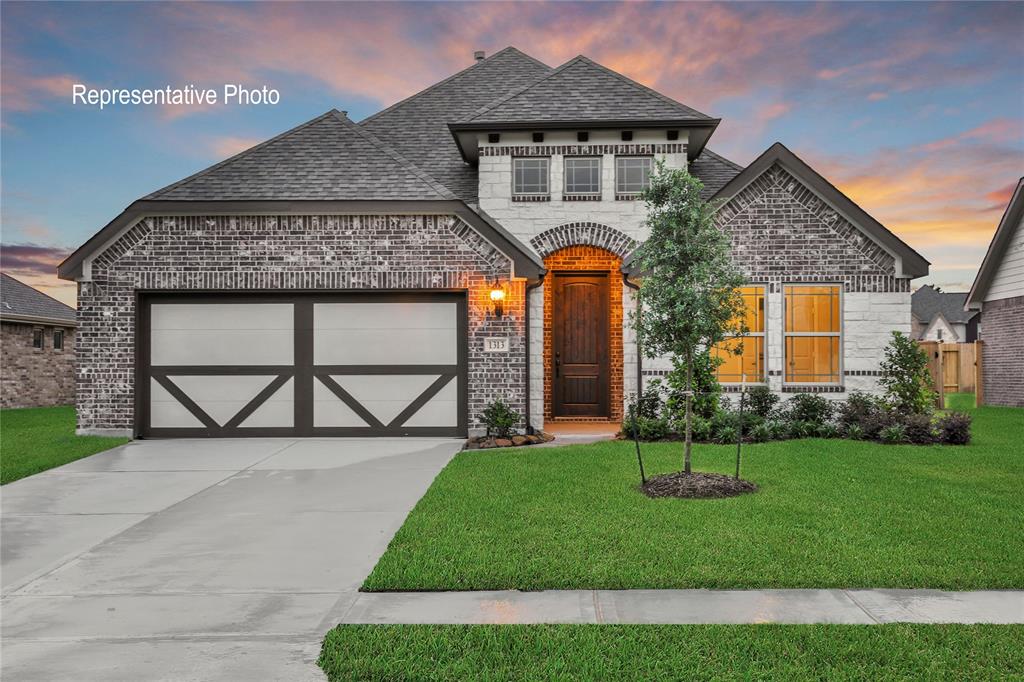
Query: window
(530, 176)
(632, 174)
(58, 339)
(37, 338)
(582, 175)
(749, 365)
(812, 334)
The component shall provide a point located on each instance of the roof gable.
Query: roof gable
(19, 300)
(928, 302)
(1008, 225)
(912, 264)
(582, 90)
(417, 127)
(327, 158)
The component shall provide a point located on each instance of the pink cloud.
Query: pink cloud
(36, 266)
(223, 147)
(877, 96)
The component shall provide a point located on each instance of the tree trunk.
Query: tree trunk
(689, 411)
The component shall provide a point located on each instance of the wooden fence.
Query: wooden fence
(955, 368)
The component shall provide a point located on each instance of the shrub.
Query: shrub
(827, 431)
(874, 423)
(905, 376)
(726, 435)
(802, 429)
(761, 433)
(955, 428)
(893, 434)
(499, 418)
(857, 408)
(762, 401)
(653, 429)
(854, 432)
(919, 429)
(779, 429)
(706, 390)
(650, 404)
(701, 428)
(808, 407)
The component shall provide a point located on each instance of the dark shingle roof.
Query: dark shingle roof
(417, 126)
(328, 158)
(582, 90)
(21, 300)
(927, 302)
(714, 171)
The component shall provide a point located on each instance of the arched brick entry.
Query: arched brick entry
(585, 257)
(583, 233)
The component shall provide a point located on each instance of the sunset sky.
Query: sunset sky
(915, 110)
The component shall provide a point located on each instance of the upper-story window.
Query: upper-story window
(582, 175)
(530, 176)
(37, 338)
(632, 174)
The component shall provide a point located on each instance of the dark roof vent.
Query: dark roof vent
(672, 134)
(627, 135)
(494, 138)
(538, 137)
(582, 136)
(479, 55)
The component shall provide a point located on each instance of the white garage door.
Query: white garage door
(360, 364)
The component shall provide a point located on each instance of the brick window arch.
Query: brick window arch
(583, 234)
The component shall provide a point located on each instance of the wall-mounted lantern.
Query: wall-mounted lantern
(498, 299)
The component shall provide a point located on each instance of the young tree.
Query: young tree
(689, 290)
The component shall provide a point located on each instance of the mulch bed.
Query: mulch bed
(485, 442)
(696, 485)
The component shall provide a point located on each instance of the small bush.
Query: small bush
(893, 434)
(761, 433)
(499, 418)
(650, 403)
(955, 428)
(828, 431)
(706, 390)
(802, 429)
(700, 428)
(919, 429)
(726, 435)
(808, 407)
(779, 429)
(874, 423)
(856, 409)
(762, 401)
(653, 429)
(854, 432)
(905, 376)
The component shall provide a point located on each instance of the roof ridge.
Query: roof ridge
(40, 293)
(395, 156)
(235, 157)
(451, 78)
(515, 93)
(629, 81)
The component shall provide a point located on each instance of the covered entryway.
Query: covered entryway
(302, 364)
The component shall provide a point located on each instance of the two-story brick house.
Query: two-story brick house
(468, 243)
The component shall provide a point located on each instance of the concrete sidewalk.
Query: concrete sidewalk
(689, 606)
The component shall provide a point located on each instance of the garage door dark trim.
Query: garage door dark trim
(304, 371)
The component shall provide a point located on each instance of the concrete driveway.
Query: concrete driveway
(199, 559)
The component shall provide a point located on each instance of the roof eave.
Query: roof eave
(38, 319)
(911, 264)
(462, 132)
(1011, 218)
(525, 263)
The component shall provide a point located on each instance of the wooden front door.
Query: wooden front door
(580, 321)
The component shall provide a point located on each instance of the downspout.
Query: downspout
(526, 350)
(639, 355)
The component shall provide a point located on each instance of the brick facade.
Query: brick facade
(1002, 351)
(592, 258)
(260, 253)
(36, 377)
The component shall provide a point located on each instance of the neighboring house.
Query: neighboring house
(37, 367)
(940, 316)
(471, 242)
(998, 292)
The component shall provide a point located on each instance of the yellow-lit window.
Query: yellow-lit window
(812, 334)
(749, 365)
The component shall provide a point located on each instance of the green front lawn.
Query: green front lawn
(673, 652)
(830, 513)
(40, 438)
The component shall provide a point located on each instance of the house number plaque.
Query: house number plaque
(496, 344)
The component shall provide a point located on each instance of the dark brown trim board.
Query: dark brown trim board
(304, 371)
